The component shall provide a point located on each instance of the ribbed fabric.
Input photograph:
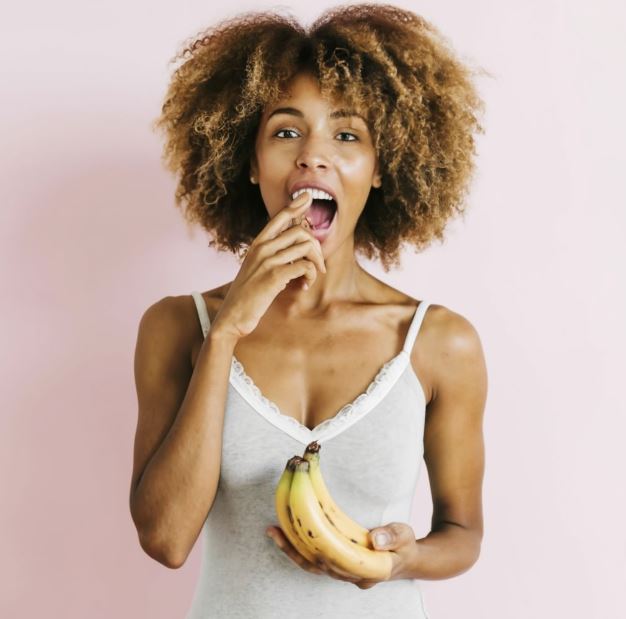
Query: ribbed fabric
(371, 459)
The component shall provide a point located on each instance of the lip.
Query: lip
(315, 185)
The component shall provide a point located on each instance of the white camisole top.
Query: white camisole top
(371, 456)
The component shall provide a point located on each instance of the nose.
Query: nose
(312, 156)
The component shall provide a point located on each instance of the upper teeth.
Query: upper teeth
(318, 194)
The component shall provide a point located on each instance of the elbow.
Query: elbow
(154, 545)
(475, 549)
(473, 543)
(161, 553)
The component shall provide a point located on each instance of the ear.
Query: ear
(377, 178)
(254, 168)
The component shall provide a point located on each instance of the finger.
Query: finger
(318, 246)
(334, 571)
(283, 219)
(285, 545)
(305, 249)
(298, 271)
(298, 233)
(310, 273)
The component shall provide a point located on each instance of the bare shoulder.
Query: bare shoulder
(444, 336)
(450, 328)
(169, 316)
(180, 309)
(164, 319)
(174, 318)
(163, 337)
(454, 348)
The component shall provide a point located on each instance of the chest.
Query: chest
(313, 368)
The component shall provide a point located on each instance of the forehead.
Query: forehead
(303, 97)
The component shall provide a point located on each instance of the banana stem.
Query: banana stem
(300, 464)
(313, 448)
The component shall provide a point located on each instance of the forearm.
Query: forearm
(178, 486)
(447, 551)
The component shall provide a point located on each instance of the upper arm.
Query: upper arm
(162, 370)
(453, 434)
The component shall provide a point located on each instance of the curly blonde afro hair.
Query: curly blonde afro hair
(389, 63)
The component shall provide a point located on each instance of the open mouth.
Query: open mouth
(321, 213)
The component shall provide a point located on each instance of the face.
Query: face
(309, 142)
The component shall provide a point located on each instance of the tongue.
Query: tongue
(320, 213)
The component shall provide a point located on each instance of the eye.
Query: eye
(283, 130)
(356, 139)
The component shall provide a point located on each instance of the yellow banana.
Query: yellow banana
(283, 514)
(324, 539)
(351, 529)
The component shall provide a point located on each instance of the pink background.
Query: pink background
(90, 238)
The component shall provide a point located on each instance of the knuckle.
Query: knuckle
(274, 277)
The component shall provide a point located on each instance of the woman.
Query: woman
(372, 114)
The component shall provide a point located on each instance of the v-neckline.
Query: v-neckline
(384, 380)
(349, 413)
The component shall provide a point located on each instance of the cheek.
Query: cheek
(358, 194)
(358, 173)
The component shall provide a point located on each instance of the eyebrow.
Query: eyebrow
(296, 112)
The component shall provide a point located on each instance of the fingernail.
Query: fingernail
(381, 539)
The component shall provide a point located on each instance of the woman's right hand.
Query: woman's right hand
(280, 252)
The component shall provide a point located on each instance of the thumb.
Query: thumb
(391, 536)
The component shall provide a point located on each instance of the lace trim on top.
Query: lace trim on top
(347, 412)
(384, 380)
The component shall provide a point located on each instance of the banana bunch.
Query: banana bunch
(317, 527)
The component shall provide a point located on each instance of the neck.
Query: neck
(342, 282)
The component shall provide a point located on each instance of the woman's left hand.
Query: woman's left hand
(401, 543)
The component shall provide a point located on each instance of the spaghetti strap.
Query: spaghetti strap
(203, 313)
(418, 317)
